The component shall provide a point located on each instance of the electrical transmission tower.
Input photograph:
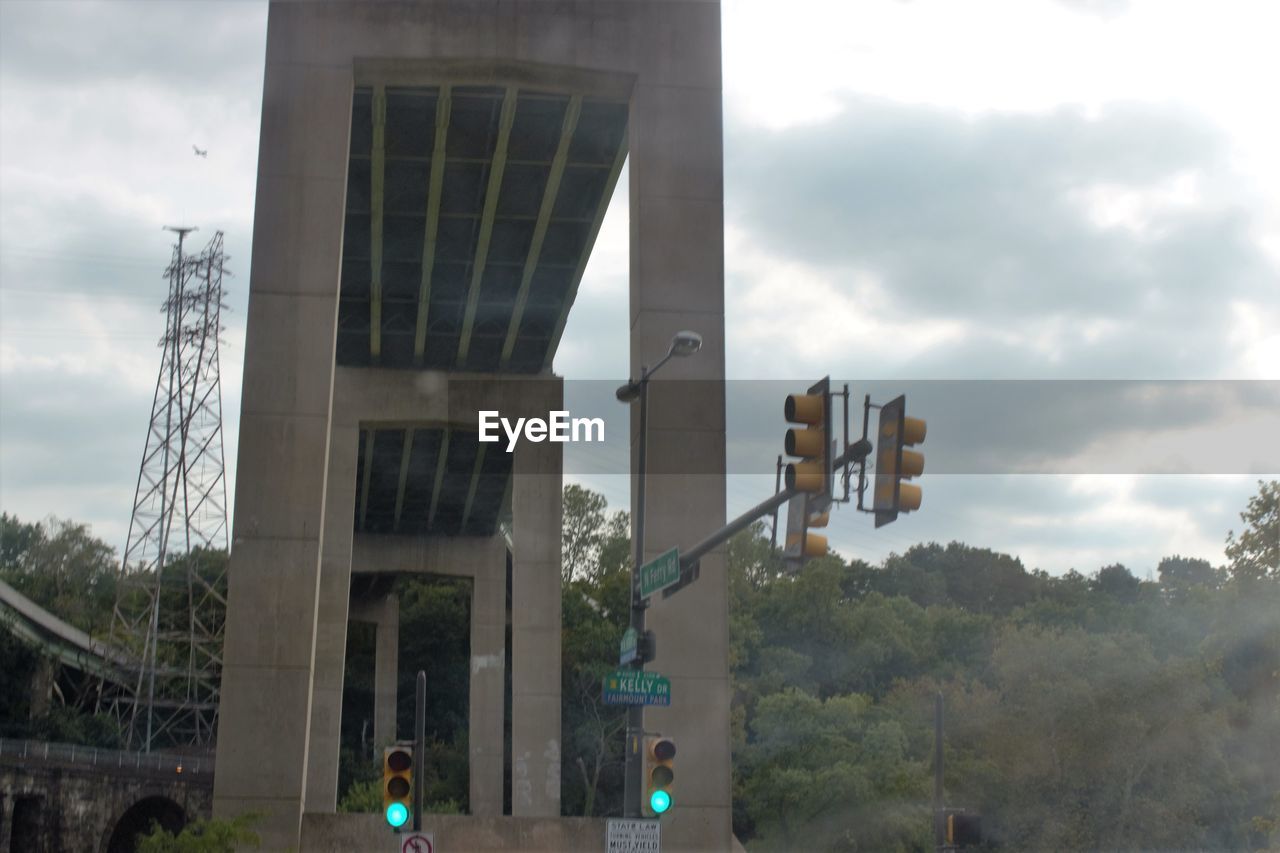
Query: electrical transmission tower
(171, 597)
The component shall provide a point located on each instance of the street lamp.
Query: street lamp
(683, 344)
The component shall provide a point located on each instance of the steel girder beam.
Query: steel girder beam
(549, 195)
(486, 221)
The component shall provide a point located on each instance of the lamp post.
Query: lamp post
(682, 345)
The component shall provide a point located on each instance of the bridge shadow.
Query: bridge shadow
(138, 819)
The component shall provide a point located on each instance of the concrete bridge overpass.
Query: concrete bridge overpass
(59, 797)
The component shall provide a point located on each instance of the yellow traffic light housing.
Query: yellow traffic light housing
(801, 543)
(812, 443)
(812, 476)
(963, 829)
(659, 775)
(397, 785)
(895, 464)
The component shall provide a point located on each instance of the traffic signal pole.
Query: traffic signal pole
(635, 713)
(939, 810)
(419, 747)
(683, 344)
(857, 451)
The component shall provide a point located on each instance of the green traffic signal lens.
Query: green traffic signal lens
(397, 814)
(659, 801)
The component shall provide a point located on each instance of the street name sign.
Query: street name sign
(629, 649)
(634, 687)
(660, 573)
(633, 836)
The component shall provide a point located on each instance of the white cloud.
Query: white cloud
(1256, 338)
(1139, 210)
(98, 113)
(817, 318)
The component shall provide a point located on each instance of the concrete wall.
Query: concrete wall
(353, 833)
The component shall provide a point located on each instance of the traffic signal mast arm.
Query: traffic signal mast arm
(857, 451)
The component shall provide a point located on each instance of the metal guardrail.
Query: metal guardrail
(162, 764)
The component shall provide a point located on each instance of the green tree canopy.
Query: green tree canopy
(1255, 553)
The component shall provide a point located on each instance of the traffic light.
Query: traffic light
(397, 784)
(963, 829)
(659, 775)
(801, 544)
(894, 463)
(812, 474)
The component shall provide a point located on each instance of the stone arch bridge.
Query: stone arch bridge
(59, 797)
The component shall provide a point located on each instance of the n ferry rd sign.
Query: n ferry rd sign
(659, 573)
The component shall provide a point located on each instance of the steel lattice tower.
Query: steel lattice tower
(171, 598)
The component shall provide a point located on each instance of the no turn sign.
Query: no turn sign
(418, 842)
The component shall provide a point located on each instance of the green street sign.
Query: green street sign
(660, 573)
(634, 687)
(628, 650)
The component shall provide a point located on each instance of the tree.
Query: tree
(1117, 582)
(1180, 575)
(831, 775)
(1101, 745)
(596, 609)
(203, 836)
(976, 579)
(1256, 553)
(60, 566)
(582, 531)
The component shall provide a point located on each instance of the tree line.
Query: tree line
(1085, 712)
(1093, 711)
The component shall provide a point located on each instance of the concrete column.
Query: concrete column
(384, 614)
(41, 689)
(487, 710)
(331, 632)
(274, 576)
(6, 821)
(386, 670)
(677, 282)
(535, 629)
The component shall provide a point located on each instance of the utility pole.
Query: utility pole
(939, 809)
(419, 747)
(683, 344)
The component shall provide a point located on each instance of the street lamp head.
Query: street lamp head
(628, 392)
(683, 344)
(686, 343)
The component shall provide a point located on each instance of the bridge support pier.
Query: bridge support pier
(384, 614)
(279, 658)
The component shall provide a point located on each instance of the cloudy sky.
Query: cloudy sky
(943, 194)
